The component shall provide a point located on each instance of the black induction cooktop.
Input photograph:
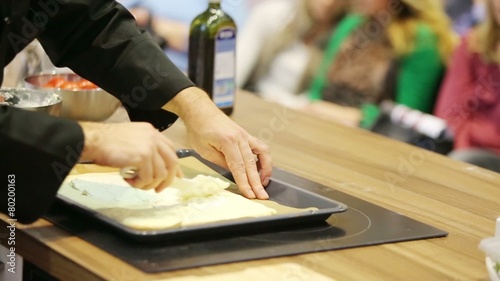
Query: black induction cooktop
(362, 224)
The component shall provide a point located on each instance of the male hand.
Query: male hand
(137, 145)
(220, 140)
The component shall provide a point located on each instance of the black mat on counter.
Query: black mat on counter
(363, 224)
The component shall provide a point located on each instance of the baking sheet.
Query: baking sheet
(292, 203)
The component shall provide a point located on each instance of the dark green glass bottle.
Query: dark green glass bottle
(212, 55)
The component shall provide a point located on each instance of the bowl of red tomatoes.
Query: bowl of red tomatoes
(82, 99)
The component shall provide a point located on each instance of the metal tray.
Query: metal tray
(279, 191)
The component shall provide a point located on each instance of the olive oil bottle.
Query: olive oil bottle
(212, 55)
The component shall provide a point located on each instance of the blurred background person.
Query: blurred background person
(465, 14)
(395, 50)
(470, 97)
(169, 22)
(281, 46)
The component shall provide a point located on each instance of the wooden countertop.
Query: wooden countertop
(461, 199)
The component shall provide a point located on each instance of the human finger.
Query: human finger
(236, 165)
(263, 153)
(171, 166)
(168, 181)
(160, 172)
(144, 175)
(251, 170)
(179, 173)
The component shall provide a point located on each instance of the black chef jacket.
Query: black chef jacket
(99, 40)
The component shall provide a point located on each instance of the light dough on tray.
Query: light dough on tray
(201, 200)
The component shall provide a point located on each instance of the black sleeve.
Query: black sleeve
(38, 151)
(100, 41)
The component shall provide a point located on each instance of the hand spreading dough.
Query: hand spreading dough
(200, 200)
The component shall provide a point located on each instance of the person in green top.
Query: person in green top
(388, 49)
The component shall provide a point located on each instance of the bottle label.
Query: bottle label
(224, 69)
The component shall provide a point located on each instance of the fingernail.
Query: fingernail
(131, 182)
(265, 182)
(263, 194)
(251, 194)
